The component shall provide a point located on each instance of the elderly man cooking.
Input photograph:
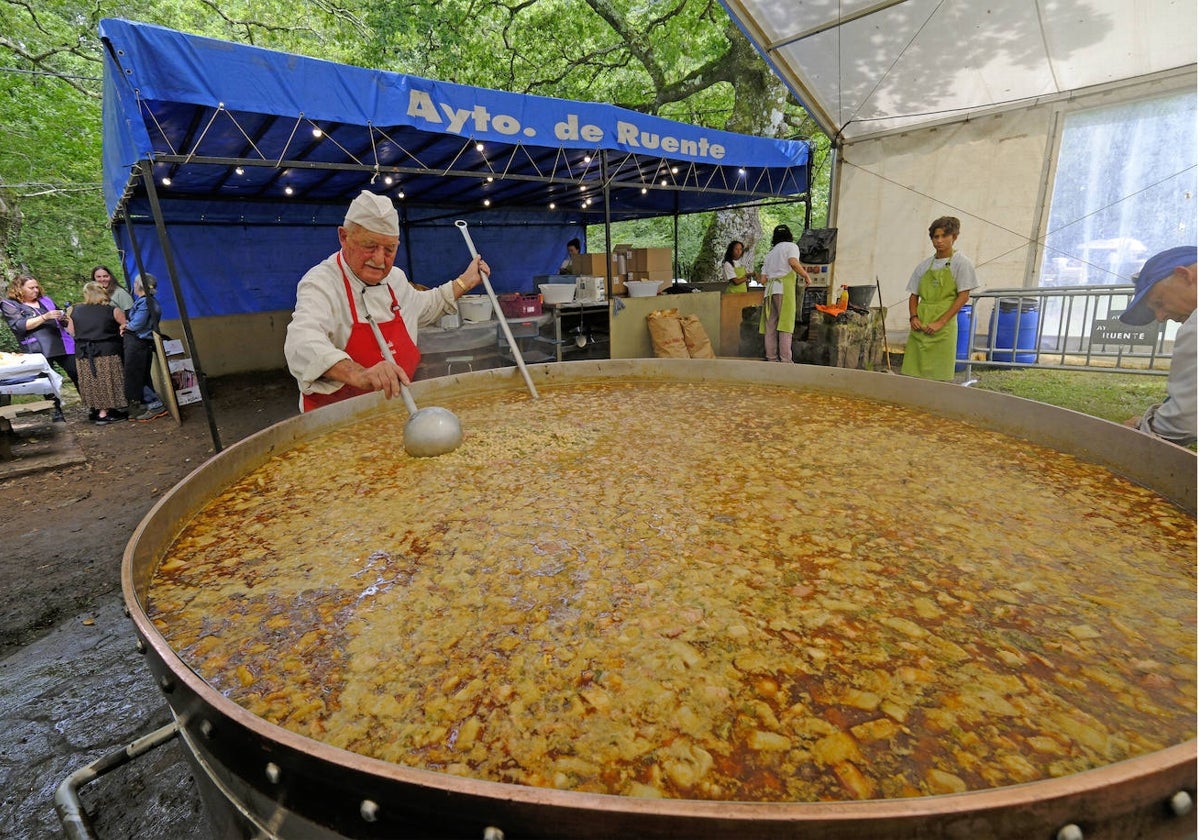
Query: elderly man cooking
(1166, 290)
(331, 348)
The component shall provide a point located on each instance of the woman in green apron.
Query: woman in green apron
(781, 276)
(938, 288)
(732, 270)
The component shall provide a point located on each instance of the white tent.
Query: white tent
(958, 107)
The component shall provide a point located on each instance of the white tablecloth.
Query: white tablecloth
(15, 366)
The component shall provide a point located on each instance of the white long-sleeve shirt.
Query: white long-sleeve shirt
(321, 323)
(1174, 419)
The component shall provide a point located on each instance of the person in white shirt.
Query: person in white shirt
(733, 272)
(937, 289)
(1166, 290)
(782, 274)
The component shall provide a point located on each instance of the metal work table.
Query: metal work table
(556, 311)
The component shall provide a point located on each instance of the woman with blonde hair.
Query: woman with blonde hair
(96, 325)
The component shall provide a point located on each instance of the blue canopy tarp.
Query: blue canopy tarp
(255, 154)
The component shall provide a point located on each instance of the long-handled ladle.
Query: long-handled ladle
(429, 431)
(487, 284)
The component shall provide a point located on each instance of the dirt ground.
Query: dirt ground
(72, 686)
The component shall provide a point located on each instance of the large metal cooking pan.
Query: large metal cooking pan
(261, 780)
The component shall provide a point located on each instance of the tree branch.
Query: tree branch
(248, 26)
(45, 61)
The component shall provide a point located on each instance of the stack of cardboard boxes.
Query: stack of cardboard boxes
(628, 263)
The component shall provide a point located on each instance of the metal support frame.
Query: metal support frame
(173, 273)
(1063, 337)
(66, 797)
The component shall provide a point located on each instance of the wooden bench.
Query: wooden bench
(10, 412)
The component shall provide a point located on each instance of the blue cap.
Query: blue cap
(1158, 267)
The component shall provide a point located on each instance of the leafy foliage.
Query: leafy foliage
(680, 59)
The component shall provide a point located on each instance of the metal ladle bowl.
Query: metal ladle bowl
(430, 431)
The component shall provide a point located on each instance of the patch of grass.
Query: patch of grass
(1109, 396)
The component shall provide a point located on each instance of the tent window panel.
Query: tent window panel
(1124, 189)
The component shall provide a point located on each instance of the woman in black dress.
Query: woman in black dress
(96, 325)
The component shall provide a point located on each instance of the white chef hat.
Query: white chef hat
(374, 212)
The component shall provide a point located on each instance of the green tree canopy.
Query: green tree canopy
(682, 60)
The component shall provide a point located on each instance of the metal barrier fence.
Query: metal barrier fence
(1065, 327)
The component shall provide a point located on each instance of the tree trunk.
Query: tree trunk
(758, 109)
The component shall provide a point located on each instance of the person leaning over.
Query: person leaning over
(938, 288)
(1165, 289)
(330, 347)
(574, 248)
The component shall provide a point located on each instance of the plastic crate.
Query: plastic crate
(516, 305)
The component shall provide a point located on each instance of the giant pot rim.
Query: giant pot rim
(1163, 467)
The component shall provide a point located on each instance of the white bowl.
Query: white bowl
(643, 288)
(557, 292)
(475, 307)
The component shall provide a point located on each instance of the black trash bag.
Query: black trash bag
(818, 246)
(680, 289)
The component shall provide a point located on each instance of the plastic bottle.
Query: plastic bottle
(844, 297)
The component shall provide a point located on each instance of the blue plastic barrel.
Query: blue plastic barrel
(1014, 327)
(963, 351)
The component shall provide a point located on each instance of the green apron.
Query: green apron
(932, 356)
(740, 272)
(787, 311)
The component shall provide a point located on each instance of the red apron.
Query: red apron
(364, 349)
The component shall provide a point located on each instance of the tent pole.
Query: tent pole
(835, 184)
(608, 278)
(169, 255)
(675, 251)
(404, 226)
(160, 357)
